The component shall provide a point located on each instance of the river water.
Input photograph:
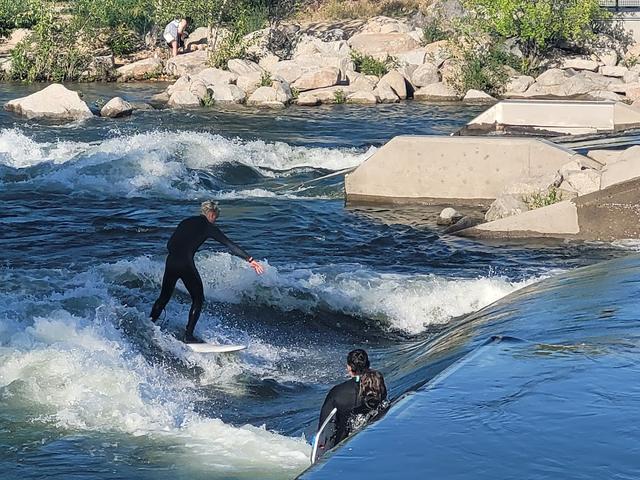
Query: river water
(90, 389)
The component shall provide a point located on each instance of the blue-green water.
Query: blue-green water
(89, 389)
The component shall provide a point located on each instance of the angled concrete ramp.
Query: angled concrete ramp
(609, 214)
(554, 117)
(453, 170)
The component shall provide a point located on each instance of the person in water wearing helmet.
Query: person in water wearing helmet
(187, 238)
(175, 32)
(363, 394)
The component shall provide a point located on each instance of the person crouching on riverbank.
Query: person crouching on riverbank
(175, 32)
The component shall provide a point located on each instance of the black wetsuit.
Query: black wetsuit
(346, 398)
(189, 235)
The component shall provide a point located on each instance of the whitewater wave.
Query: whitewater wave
(409, 303)
(170, 164)
(80, 375)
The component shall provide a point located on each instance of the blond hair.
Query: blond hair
(210, 206)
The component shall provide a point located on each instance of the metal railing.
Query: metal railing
(620, 5)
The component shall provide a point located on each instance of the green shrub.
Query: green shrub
(208, 101)
(368, 65)
(266, 80)
(123, 41)
(483, 68)
(18, 14)
(52, 52)
(339, 97)
(537, 25)
(433, 32)
(543, 199)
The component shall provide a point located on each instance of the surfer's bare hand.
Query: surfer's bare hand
(257, 267)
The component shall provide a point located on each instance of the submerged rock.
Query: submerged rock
(448, 216)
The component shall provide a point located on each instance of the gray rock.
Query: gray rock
(580, 63)
(116, 107)
(437, 92)
(397, 82)
(243, 67)
(225, 93)
(266, 97)
(581, 181)
(184, 99)
(385, 93)
(477, 96)
(448, 216)
(215, 76)
(519, 84)
(188, 64)
(324, 77)
(140, 70)
(362, 98)
(53, 102)
(383, 45)
(424, 75)
(250, 82)
(505, 206)
(617, 72)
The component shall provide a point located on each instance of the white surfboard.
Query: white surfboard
(215, 348)
(323, 441)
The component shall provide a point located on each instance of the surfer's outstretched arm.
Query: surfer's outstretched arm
(217, 235)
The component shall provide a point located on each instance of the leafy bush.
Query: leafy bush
(537, 25)
(123, 41)
(543, 199)
(369, 65)
(483, 68)
(52, 51)
(18, 14)
(339, 97)
(266, 80)
(433, 32)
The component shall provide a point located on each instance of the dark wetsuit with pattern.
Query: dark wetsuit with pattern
(189, 235)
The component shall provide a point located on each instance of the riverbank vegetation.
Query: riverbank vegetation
(488, 40)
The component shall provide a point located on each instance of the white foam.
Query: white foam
(80, 375)
(404, 302)
(163, 163)
(19, 151)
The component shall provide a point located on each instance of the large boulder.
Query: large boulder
(199, 37)
(397, 82)
(225, 93)
(361, 82)
(308, 45)
(382, 24)
(54, 102)
(438, 52)
(424, 75)
(437, 92)
(116, 107)
(140, 70)
(478, 96)
(323, 77)
(362, 98)
(383, 45)
(289, 70)
(505, 206)
(184, 99)
(412, 57)
(215, 76)
(579, 63)
(188, 64)
(617, 72)
(385, 93)
(518, 84)
(250, 82)
(265, 97)
(243, 67)
(579, 182)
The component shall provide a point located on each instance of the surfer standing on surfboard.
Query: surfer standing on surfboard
(189, 235)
